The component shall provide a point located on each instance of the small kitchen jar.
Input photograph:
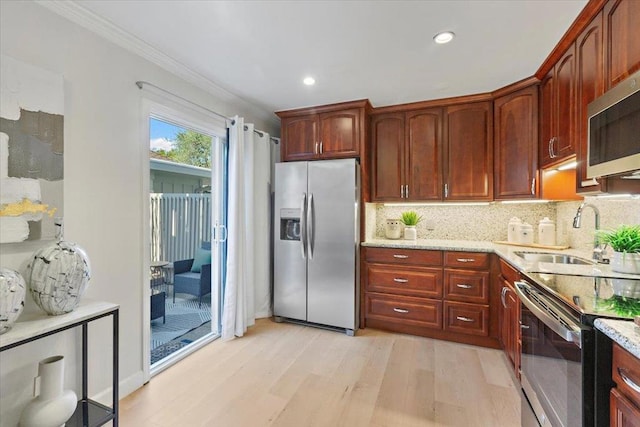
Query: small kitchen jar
(513, 230)
(393, 228)
(546, 232)
(525, 234)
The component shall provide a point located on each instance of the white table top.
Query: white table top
(35, 323)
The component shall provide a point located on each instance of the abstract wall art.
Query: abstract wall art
(31, 151)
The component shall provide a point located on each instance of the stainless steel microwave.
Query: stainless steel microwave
(614, 130)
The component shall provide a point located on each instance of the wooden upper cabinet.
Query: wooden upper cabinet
(558, 111)
(387, 133)
(423, 156)
(547, 117)
(622, 39)
(325, 132)
(299, 137)
(590, 82)
(468, 165)
(406, 153)
(339, 134)
(516, 144)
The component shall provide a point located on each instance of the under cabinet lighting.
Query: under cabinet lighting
(438, 204)
(444, 37)
(309, 81)
(518, 202)
(571, 165)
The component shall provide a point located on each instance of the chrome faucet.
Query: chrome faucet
(598, 250)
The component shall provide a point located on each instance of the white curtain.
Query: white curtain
(247, 289)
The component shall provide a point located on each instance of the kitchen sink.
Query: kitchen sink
(553, 258)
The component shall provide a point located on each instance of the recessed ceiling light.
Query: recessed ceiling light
(309, 81)
(444, 37)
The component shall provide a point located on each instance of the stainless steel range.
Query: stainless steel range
(565, 366)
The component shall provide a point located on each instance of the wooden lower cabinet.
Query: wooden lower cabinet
(405, 310)
(625, 397)
(511, 335)
(414, 291)
(623, 412)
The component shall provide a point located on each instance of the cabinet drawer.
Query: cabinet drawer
(404, 256)
(406, 310)
(420, 282)
(465, 318)
(466, 286)
(478, 260)
(626, 373)
(508, 272)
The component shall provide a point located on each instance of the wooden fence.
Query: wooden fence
(179, 225)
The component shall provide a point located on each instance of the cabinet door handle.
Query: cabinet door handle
(465, 259)
(321, 149)
(524, 326)
(400, 256)
(406, 191)
(503, 295)
(399, 280)
(316, 149)
(628, 381)
(446, 190)
(464, 285)
(533, 186)
(400, 310)
(552, 152)
(464, 319)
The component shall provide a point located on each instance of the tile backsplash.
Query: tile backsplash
(489, 222)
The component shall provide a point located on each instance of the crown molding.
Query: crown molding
(106, 29)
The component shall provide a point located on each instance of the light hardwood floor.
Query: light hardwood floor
(292, 376)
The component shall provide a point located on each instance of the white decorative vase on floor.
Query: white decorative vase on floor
(52, 406)
(623, 262)
(58, 275)
(410, 233)
(12, 292)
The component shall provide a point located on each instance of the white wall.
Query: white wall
(103, 186)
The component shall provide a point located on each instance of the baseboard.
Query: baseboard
(126, 387)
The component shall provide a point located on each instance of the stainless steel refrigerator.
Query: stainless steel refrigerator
(316, 243)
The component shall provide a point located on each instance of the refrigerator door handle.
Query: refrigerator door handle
(310, 226)
(303, 226)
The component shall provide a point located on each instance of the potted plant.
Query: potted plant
(625, 242)
(410, 219)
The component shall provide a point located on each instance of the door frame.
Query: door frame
(183, 114)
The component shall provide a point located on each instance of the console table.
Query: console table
(34, 326)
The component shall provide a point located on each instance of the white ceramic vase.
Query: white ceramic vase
(52, 406)
(410, 233)
(12, 292)
(58, 275)
(623, 262)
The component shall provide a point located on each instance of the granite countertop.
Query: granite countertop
(624, 332)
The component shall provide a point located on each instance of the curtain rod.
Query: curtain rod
(141, 83)
(261, 133)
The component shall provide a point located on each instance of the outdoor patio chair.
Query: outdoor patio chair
(193, 276)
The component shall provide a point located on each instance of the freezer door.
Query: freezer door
(333, 242)
(290, 264)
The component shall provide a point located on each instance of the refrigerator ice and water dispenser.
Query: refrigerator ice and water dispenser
(290, 224)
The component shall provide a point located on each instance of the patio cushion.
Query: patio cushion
(202, 257)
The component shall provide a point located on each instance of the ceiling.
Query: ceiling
(380, 50)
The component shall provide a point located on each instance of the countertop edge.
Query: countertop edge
(623, 332)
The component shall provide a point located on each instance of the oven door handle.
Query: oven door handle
(572, 334)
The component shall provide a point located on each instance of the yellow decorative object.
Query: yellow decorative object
(26, 206)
